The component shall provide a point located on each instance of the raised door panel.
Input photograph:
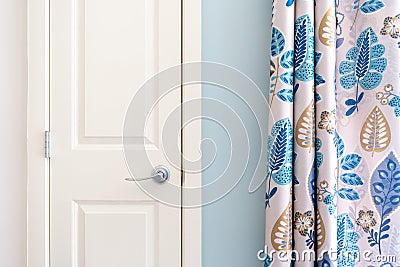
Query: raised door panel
(115, 49)
(117, 234)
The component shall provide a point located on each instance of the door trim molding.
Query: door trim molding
(192, 217)
(38, 205)
(38, 228)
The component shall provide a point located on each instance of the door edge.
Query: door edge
(38, 227)
(191, 52)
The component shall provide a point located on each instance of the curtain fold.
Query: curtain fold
(333, 181)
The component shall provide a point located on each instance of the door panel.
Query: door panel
(99, 224)
(116, 44)
(101, 52)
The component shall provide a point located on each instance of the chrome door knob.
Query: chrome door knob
(160, 174)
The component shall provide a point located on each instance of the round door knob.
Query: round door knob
(161, 174)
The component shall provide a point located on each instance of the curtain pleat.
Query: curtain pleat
(325, 98)
(279, 202)
(304, 129)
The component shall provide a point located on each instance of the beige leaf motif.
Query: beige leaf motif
(375, 134)
(305, 127)
(321, 234)
(327, 28)
(281, 235)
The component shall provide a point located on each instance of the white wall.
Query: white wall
(13, 88)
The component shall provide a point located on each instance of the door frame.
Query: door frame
(38, 204)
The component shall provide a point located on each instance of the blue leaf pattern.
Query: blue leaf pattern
(287, 59)
(304, 49)
(395, 104)
(359, 69)
(385, 186)
(285, 95)
(287, 78)
(351, 179)
(371, 6)
(277, 42)
(364, 67)
(339, 42)
(348, 249)
(385, 193)
(339, 144)
(279, 149)
(300, 41)
(280, 156)
(289, 2)
(350, 162)
(319, 79)
(348, 194)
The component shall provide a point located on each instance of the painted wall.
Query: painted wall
(236, 33)
(13, 88)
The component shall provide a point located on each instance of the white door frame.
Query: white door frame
(38, 243)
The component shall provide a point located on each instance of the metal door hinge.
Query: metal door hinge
(47, 144)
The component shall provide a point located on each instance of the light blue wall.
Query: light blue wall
(236, 33)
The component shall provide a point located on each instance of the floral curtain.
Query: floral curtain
(333, 181)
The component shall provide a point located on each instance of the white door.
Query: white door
(101, 52)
